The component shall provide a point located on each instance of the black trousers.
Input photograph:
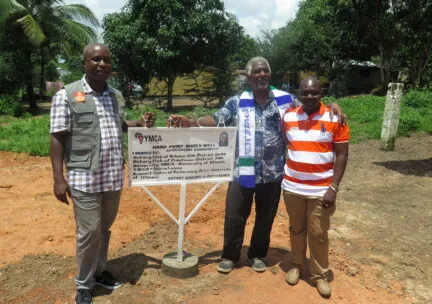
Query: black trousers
(238, 207)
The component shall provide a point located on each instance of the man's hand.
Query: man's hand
(329, 198)
(178, 121)
(336, 109)
(62, 190)
(147, 120)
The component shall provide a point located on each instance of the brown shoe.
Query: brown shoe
(323, 288)
(292, 276)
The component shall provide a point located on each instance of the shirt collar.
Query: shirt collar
(89, 90)
(320, 111)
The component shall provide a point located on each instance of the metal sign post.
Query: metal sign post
(182, 221)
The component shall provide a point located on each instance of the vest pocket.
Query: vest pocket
(84, 119)
(80, 157)
(84, 115)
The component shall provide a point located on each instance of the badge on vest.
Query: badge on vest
(79, 96)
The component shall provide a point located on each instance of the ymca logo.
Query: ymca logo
(148, 138)
(140, 137)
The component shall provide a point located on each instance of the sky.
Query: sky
(253, 15)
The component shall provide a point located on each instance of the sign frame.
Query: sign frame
(228, 147)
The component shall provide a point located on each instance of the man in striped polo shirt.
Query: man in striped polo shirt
(316, 160)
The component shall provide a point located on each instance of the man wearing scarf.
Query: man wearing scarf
(259, 162)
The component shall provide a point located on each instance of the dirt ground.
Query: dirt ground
(381, 238)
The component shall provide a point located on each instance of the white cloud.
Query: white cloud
(258, 15)
(253, 15)
(100, 7)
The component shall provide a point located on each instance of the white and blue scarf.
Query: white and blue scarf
(247, 133)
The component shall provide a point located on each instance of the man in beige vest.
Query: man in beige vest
(86, 134)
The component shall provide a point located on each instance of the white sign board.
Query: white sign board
(159, 156)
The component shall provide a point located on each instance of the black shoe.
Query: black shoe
(225, 266)
(107, 280)
(83, 296)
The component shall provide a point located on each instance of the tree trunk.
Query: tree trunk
(419, 64)
(29, 82)
(382, 66)
(171, 80)
(387, 59)
(42, 72)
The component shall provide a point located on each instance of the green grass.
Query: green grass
(30, 134)
(365, 116)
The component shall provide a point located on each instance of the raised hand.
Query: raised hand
(148, 119)
(178, 121)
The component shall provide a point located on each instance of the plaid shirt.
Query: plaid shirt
(269, 146)
(109, 175)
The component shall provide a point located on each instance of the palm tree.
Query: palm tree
(47, 25)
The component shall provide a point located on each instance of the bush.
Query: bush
(417, 99)
(416, 111)
(9, 105)
(365, 114)
(410, 121)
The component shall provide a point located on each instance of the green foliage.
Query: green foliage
(161, 116)
(136, 112)
(167, 39)
(51, 71)
(71, 77)
(249, 48)
(211, 84)
(417, 99)
(74, 65)
(198, 112)
(8, 76)
(365, 115)
(410, 121)
(29, 135)
(37, 31)
(325, 34)
(416, 112)
(9, 105)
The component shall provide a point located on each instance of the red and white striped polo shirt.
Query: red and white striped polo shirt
(310, 159)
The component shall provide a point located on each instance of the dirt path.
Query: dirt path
(381, 234)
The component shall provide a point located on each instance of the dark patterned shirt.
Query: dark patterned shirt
(269, 146)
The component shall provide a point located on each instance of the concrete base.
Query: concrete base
(185, 269)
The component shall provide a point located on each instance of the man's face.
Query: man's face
(259, 78)
(97, 63)
(310, 94)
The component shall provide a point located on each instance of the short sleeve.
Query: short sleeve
(227, 112)
(341, 133)
(60, 117)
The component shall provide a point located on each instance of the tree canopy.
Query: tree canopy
(166, 39)
(326, 34)
(40, 29)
